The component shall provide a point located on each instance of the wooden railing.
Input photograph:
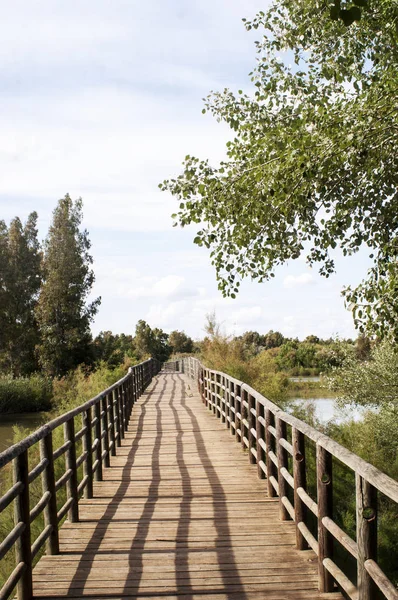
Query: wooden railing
(103, 422)
(276, 441)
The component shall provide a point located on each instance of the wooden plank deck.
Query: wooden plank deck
(180, 514)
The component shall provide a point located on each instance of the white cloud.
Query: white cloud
(303, 279)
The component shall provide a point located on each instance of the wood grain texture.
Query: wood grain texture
(180, 514)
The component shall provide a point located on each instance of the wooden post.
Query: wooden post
(70, 462)
(48, 482)
(232, 405)
(213, 393)
(299, 476)
(112, 430)
(260, 436)
(252, 425)
(223, 401)
(117, 412)
(269, 420)
(243, 415)
(21, 515)
(125, 405)
(120, 411)
(98, 431)
(282, 463)
(325, 509)
(207, 388)
(88, 447)
(104, 402)
(366, 505)
(227, 401)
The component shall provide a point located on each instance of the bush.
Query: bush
(25, 394)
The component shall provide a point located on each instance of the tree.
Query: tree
(20, 281)
(151, 342)
(63, 314)
(313, 162)
(273, 339)
(180, 342)
(112, 349)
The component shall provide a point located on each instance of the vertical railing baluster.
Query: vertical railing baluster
(299, 476)
(271, 469)
(244, 415)
(232, 405)
(117, 416)
(366, 507)
(23, 552)
(98, 432)
(112, 431)
(48, 482)
(70, 463)
(125, 405)
(282, 463)
(260, 432)
(107, 458)
(227, 402)
(120, 410)
(88, 447)
(223, 401)
(325, 509)
(251, 419)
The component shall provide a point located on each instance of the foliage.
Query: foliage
(180, 342)
(62, 313)
(229, 355)
(313, 161)
(373, 383)
(151, 342)
(19, 285)
(25, 394)
(112, 348)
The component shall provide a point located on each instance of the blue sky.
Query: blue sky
(103, 100)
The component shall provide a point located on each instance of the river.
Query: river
(30, 421)
(323, 402)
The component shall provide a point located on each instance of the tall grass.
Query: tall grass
(25, 394)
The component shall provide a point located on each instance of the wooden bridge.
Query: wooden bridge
(173, 509)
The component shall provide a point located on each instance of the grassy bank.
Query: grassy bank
(25, 394)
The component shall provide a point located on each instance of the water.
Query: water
(325, 408)
(30, 421)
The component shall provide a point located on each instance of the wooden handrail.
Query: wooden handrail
(261, 427)
(104, 421)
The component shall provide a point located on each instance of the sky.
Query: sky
(103, 100)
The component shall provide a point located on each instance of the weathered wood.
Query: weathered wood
(88, 448)
(260, 432)
(23, 552)
(104, 406)
(282, 464)
(252, 426)
(269, 440)
(48, 484)
(70, 463)
(325, 509)
(299, 476)
(98, 439)
(167, 518)
(366, 517)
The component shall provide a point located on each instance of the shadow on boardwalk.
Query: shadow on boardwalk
(184, 550)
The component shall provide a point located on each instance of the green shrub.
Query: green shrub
(25, 394)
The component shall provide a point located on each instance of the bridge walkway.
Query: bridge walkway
(180, 514)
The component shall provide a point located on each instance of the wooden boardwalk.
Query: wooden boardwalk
(180, 514)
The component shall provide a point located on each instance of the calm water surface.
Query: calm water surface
(30, 421)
